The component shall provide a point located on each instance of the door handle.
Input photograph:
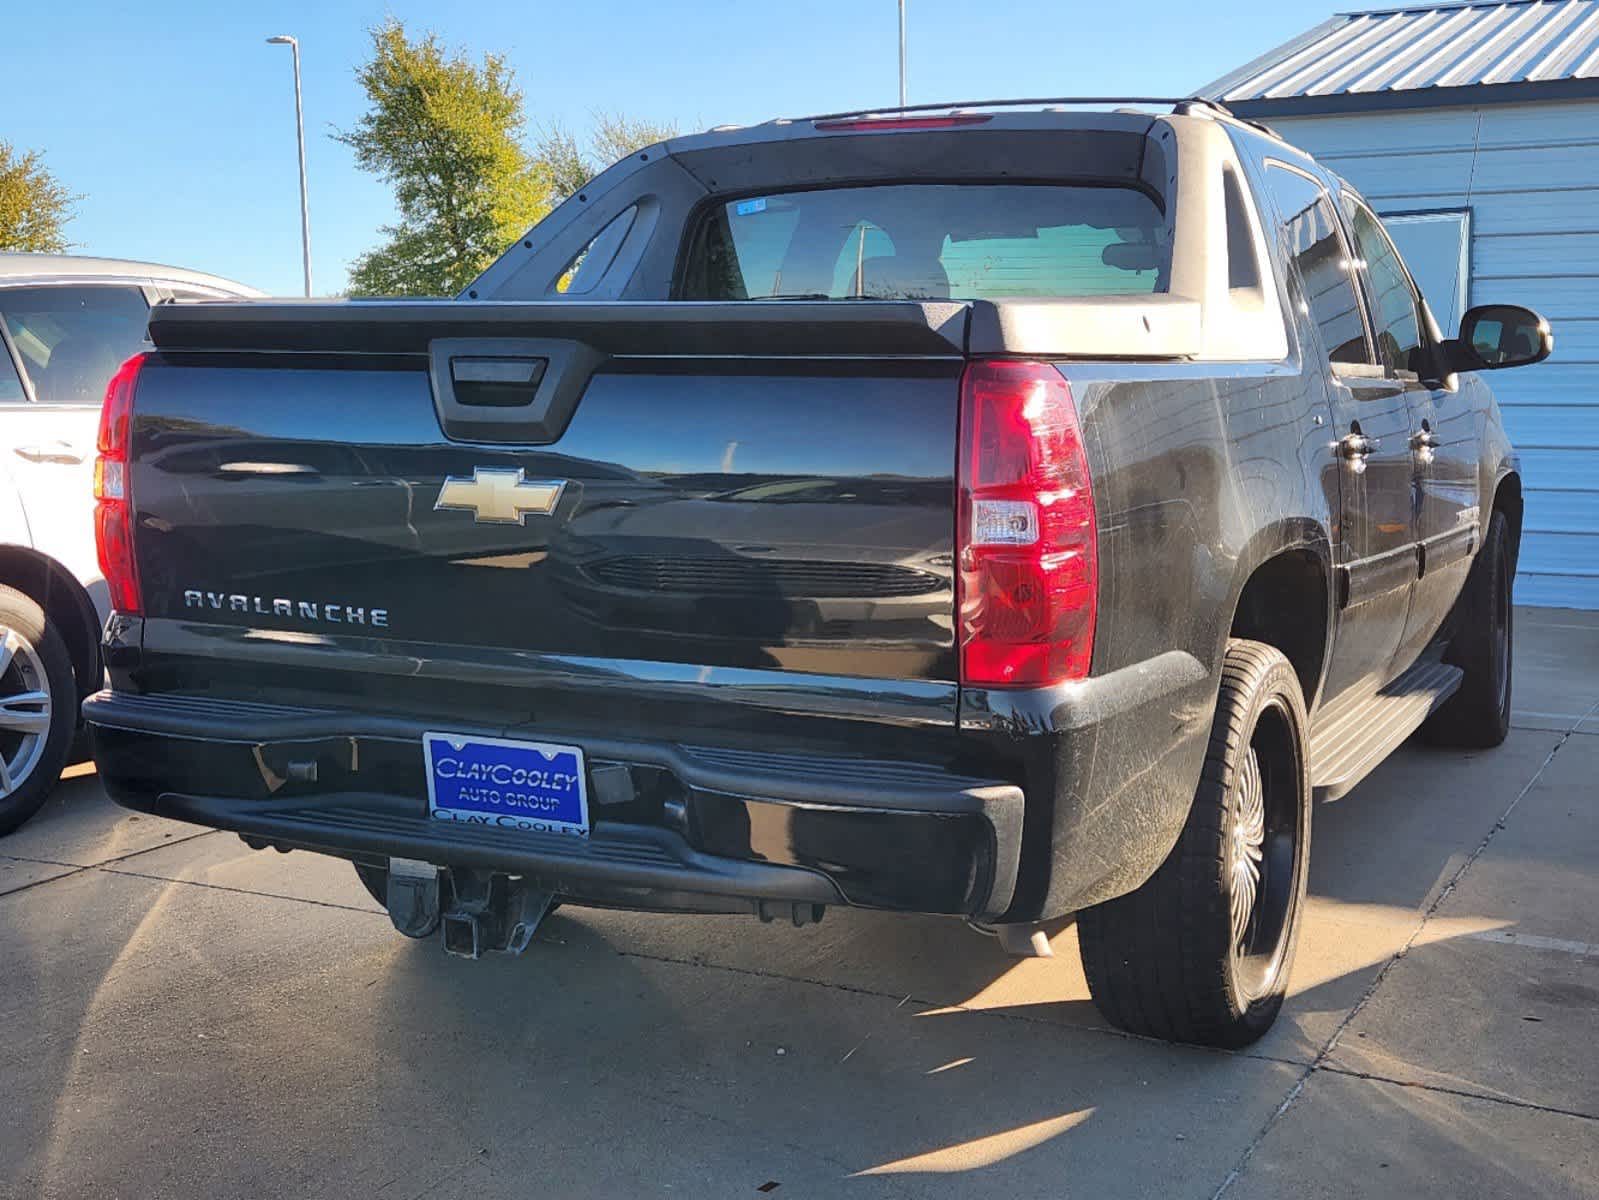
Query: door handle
(1357, 445)
(60, 452)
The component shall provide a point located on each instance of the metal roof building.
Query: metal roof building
(1408, 57)
(1473, 128)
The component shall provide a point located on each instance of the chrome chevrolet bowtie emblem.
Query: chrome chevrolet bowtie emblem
(500, 495)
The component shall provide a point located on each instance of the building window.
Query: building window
(1437, 248)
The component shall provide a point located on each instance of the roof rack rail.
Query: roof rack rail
(1216, 106)
(1179, 104)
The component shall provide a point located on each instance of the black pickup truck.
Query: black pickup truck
(988, 512)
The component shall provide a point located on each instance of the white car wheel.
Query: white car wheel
(38, 708)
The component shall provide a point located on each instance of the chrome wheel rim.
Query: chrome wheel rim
(1246, 842)
(25, 710)
(1264, 833)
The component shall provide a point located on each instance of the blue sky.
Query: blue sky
(175, 120)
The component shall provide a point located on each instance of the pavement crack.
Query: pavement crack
(854, 989)
(28, 887)
(238, 891)
(191, 837)
(79, 868)
(110, 867)
(1320, 1062)
(45, 862)
(1464, 1093)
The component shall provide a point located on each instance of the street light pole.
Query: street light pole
(902, 53)
(299, 124)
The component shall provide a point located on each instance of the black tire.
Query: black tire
(1173, 959)
(376, 882)
(1483, 646)
(35, 662)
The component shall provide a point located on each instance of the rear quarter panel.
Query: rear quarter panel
(1201, 473)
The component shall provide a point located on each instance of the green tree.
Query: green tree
(570, 165)
(34, 206)
(446, 133)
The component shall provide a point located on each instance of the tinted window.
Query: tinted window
(589, 265)
(1243, 271)
(72, 339)
(1312, 240)
(931, 242)
(1395, 315)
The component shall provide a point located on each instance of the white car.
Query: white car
(66, 324)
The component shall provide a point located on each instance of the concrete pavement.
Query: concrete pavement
(185, 1017)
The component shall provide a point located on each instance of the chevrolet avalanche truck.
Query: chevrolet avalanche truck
(999, 511)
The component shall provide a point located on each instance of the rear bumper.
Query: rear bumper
(673, 826)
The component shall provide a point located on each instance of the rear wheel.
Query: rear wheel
(38, 708)
(1201, 952)
(1483, 645)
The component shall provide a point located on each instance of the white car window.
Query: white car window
(73, 337)
(10, 382)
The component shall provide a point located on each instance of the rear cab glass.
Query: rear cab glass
(914, 241)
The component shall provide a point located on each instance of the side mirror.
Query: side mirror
(1493, 336)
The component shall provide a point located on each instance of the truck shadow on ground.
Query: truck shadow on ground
(263, 1045)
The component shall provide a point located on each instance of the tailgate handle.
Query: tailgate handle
(497, 382)
(515, 391)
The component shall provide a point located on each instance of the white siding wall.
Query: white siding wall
(1534, 199)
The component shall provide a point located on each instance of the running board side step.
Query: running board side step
(1348, 740)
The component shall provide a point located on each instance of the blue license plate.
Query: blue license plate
(532, 786)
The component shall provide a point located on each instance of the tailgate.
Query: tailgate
(448, 488)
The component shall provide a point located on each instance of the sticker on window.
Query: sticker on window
(745, 207)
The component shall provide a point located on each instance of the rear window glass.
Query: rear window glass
(931, 242)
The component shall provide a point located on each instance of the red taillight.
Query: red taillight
(113, 510)
(1028, 555)
(949, 122)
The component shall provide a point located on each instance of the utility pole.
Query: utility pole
(299, 125)
(902, 53)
